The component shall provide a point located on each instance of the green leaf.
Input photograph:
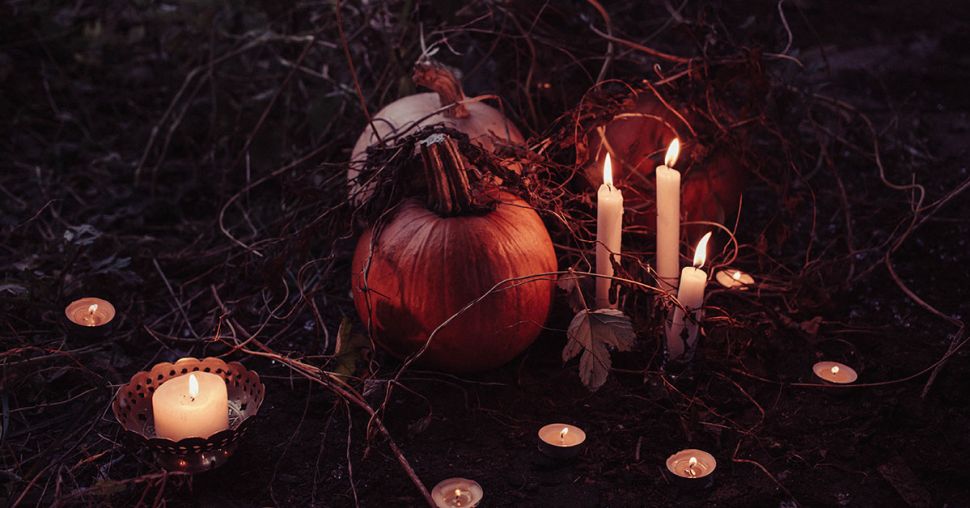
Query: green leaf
(593, 333)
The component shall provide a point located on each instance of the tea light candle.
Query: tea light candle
(561, 440)
(455, 492)
(191, 405)
(691, 464)
(90, 312)
(609, 230)
(734, 279)
(690, 294)
(668, 219)
(835, 372)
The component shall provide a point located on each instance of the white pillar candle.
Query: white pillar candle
(668, 219)
(191, 405)
(681, 331)
(609, 229)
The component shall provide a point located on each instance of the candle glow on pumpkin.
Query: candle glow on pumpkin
(670, 158)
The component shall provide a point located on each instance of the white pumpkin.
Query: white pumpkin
(485, 126)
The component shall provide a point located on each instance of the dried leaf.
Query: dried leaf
(811, 326)
(419, 425)
(593, 333)
(572, 285)
(14, 289)
(349, 349)
(85, 234)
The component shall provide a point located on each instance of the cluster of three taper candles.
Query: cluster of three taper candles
(609, 227)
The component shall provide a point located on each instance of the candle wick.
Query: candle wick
(690, 467)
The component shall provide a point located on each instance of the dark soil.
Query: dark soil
(130, 132)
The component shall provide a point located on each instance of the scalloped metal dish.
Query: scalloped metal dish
(132, 408)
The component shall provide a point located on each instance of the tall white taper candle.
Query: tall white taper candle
(668, 219)
(609, 229)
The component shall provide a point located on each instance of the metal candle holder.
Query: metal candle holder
(132, 407)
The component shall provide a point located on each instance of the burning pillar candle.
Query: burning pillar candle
(609, 228)
(668, 219)
(681, 331)
(192, 405)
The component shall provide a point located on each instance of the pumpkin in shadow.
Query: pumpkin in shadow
(712, 176)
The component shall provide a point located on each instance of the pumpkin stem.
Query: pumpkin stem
(448, 190)
(438, 78)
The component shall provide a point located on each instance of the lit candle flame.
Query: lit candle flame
(562, 434)
(700, 253)
(608, 171)
(193, 387)
(672, 152)
(457, 497)
(92, 309)
(835, 369)
(690, 466)
(737, 275)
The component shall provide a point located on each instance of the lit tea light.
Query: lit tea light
(457, 492)
(561, 440)
(835, 372)
(691, 464)
(90, 312)
(734, 279)
(191, 405)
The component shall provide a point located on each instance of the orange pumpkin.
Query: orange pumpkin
(432, 259)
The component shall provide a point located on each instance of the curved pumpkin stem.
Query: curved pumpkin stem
(438, 78)
(444, 169)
